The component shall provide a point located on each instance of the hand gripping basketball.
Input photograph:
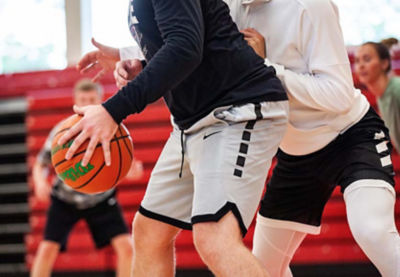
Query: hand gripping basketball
(93, 177)
(97, 126)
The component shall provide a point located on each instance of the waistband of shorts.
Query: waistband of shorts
(262, 110)
(326, 148)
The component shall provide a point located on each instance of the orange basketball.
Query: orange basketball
(96, 176)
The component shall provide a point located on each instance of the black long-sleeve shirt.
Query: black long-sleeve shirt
(196, 59)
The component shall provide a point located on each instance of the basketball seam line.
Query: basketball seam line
(127, 148)
(62, 130)
(120, 162)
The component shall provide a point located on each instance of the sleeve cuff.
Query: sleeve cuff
(131, 52)
(117, 108)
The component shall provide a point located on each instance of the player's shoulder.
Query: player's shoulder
(319, 8)
(320, 11)
(396, 81)
(395, 84)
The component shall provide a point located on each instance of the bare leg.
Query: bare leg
(123, 246)
(45, 258)
(221, 247)
(153, 247)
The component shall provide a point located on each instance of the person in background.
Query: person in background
(101, 211)
(373, 67)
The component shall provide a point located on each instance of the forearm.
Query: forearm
(329, 88)
(39, 173)
(164, 72)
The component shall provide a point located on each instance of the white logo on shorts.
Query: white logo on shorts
(379, 135)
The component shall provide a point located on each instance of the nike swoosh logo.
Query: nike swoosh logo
(206, 136)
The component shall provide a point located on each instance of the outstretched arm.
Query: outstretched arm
(181, 25)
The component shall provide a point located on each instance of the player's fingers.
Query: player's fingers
(119, 81)
(91, 67)
(79, 110)
(247, 33)
(116, 78)
(250, 41)
(105, 143)
(98, 76)
(73, 131)
(256, 34)
(252, 30)
(86, 60)
(75, 145)
(107, 50)
(90, 150)
(121, 71)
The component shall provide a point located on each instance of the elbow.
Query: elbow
(188, 51)
(346, 100)
(194, 56)
(344, 108)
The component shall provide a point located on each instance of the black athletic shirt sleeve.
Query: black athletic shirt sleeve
(181, 26)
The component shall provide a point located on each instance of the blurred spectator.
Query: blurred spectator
(373, 66)
(101, 211)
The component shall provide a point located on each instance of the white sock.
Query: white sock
(275, 247)
(370, 213)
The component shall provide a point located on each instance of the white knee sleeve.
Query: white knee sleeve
(370, 213)
(275, 247)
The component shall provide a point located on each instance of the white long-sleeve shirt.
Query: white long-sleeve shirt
(131, 52)
(304, 43)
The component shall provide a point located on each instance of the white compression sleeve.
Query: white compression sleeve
(370, 213)
(275, 247)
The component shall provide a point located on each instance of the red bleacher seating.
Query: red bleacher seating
(20, 84)
(49, 98)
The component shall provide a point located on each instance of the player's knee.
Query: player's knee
(205, 246)
(126, 251)
(368, 232)
(48, 250)
(124, 248)
(208, 242)
(149, 234)
(140, 232)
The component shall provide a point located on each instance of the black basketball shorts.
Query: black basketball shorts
(104, 220)
(301, 185)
